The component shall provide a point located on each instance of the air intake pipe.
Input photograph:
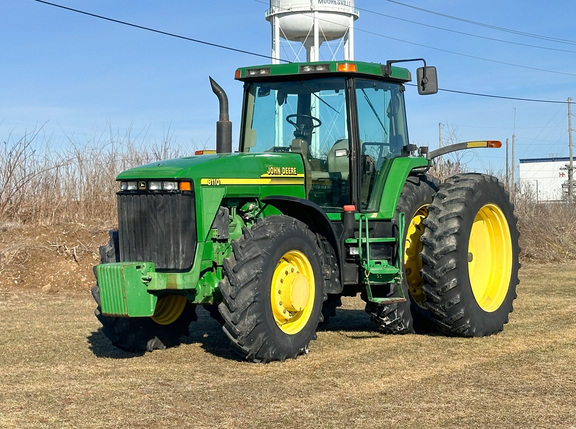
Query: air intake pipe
(223, 126)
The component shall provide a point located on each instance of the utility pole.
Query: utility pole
(571, 159)
(439, 135)
(513, 185)
(507, 167)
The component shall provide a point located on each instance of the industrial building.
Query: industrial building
(546, 178)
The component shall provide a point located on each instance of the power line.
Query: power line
(374, 33)
(465, 33)
(269, 57)
(465, 55)
(165, 33)
(493, 27)
(501, 97)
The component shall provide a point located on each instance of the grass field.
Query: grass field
(58, 370)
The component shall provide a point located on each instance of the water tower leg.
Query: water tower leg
(314, 54)
(349, 41)
(275, 40)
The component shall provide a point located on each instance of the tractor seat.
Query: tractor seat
(338, 159)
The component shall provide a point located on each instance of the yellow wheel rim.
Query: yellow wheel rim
(292, 292)
(412, 259)
(490, 257)
(168, 309)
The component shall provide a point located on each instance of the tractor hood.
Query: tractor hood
(238, 175)
(217, 170)
(219, 176)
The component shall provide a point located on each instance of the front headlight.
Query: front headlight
(129, 186)
(155, 185)
(170, 186)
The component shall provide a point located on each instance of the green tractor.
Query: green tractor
(325, 198)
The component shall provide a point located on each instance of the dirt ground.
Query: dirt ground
(58, 369)
(51, 259)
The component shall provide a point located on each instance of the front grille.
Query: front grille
(158, 228)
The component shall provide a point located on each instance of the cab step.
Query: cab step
(390, 278)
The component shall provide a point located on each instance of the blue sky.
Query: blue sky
(77, 78)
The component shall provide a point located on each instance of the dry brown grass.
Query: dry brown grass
(43, 185)
(60, 371)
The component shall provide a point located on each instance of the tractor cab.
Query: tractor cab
(345, 120)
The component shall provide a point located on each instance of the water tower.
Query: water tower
(311, 23)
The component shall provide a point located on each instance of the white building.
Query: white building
(546, 178)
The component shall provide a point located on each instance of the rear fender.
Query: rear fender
(390, 182)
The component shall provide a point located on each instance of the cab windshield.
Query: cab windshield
(311, 111)
(311, 117)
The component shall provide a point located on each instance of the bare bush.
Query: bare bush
(449, 164)
(547, 233)
(22, 169)
(443, 169)
(39, 185)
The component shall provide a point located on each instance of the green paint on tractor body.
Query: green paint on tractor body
(125, 292)
(315, 138)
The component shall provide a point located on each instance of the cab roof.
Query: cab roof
(326, 68)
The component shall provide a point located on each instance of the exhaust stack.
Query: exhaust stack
(223, 126)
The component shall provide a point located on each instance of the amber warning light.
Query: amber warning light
(494, 143)
(346, 67)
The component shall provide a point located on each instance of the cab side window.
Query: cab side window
(381, 128)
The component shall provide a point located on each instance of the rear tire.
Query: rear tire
(410, 316)
(140, 334)
(470, 256)
(273, 290)
(329, 308)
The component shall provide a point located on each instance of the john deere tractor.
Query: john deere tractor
(325, 197)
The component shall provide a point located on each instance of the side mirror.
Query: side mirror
(427, 80)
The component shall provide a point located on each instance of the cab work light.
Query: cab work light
(259, 72)
(314, 68)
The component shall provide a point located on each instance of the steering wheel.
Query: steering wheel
(303, 130)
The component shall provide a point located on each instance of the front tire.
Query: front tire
(470, 256)
(169, 323)
(273, 290)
